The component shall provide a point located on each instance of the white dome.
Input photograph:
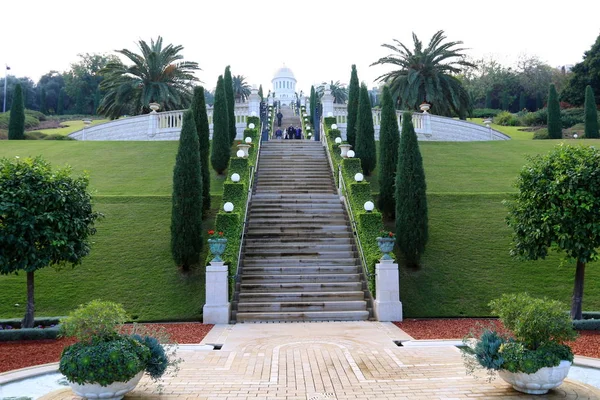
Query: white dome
(284, 72)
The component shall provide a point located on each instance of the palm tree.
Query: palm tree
(338, 91)
(157, 75)
(241, 89)
(428, 75)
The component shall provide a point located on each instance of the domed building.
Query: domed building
(284, 86)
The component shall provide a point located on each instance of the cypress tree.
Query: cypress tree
(60, 105)
(591, 114)
(488, 99)
(16, 124)
(389, 137)
(522, 101)
(411, 199)
(313, 104)
(186, 214)
(260, 93)
(221, 144)
(353, 95)
(202, 127)
(554, 122)
(365, 133)
(228, 85)
(43, 105)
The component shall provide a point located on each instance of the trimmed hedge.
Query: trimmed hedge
(240, 166)
(29, 333)
(586, 324)
(369, 227)
(253, 120)
(329, 121)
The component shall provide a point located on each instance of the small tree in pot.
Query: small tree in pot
(535, 358)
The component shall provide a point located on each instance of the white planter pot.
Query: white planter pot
(539, 382)
(114, 391)
(344, 150)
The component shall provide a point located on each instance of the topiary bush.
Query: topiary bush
(95, 319)
(541, 134)
(485, 113)
(506, 118)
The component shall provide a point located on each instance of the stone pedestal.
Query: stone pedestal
(327, 101)
(217, 308)
(387, 305)
(254, 102)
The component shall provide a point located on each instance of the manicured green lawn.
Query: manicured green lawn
(515, 132)
(70, 127)
(467, 263)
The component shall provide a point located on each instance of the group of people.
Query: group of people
(290, 133)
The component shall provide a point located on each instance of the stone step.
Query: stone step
(304, 232)
(361, 315)
(297, 220)
(302, 306)
(309, 196)
(298, 208)
(305, 262)
(309, 278)
(301, 287)
(308, 251)
(268, 242)
(301, 296)
(318, 269)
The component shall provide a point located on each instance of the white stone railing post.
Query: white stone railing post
(254, 102)
(426, 123)
(387, 305)
(217, 308)
(327, 101)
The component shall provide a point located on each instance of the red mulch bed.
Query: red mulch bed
(587, 344)
(21, 354)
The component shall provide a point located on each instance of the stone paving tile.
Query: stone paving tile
(334, 360)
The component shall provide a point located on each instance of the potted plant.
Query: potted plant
(534, 358)
(217, 243)
(106, 362)
(386, 242)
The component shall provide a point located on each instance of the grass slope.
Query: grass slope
(68, 127)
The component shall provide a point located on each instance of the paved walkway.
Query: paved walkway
(330, 360)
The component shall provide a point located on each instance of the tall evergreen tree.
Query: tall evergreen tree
(591, 114)
(353, 95)
(522, 101)
(312, 104)
(365, 133)
(389, 137)
(43, 105)
(586, 72)
(60, 104)
(260, 93)
(97, 100)
(186, 214)
(202, 128)
(16, 124)
(221, 144)
(554, 122)
(411, 199)
(228, 85)
(488, 99)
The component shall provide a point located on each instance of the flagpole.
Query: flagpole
(4, 102)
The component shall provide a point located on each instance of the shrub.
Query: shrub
(485, 113)
(97, 318)
(16, 125)
(228, 86)
(221, 143)
(365, 133)
(541, 134)
(389, 137)
(554, 120)
(203, 131)
(506, 118)
(353, 97)
(571, 117)
(586, 324)
(536, 118)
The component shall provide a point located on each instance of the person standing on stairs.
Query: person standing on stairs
(279, 118)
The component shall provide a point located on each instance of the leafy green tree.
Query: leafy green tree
(202, 128)
(186, 214)
(591, 114)
(428, 75)
(557, 207)
(157, 75)
(43, 107)
(16, 124)
(365, 133)
(221, 143)
(60, 105)
(338, 91)
(389, 138)
(52, 83)
(412, 231)
(353, 95)
(488, 99)
(522, 101)
(241, 88)
(46, 219)
(587, 72)
(554, 122)
(228, 86)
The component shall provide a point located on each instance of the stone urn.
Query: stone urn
(114, 391)
(540, 382)
(217, 248)
(386, 245)
(154, 107)
(244, 147)
(344, 150)
(425, 107)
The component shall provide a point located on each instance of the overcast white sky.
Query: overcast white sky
(318, 40)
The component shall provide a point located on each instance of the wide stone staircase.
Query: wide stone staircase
(299, 259)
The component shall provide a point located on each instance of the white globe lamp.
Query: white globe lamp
(251, 125)
(338, 140)
(228, 207)
(235, 177)
(248, 140)
(369, 206)
(240, 153)
(359, 177)
(334, 126)
(330, 114)
(351, 153)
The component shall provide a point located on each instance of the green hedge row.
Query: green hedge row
(16, 333)
(237, 193)
(587, 324)
(368, 224)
